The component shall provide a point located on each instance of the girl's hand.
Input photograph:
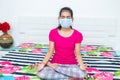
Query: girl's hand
(83, 66)
(52, 65)
(39, 66)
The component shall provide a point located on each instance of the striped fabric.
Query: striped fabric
(101, 63)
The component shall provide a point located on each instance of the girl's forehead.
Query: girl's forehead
(65, 12)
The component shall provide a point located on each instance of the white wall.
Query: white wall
(89, 8)
(117, 47)
(12, 10)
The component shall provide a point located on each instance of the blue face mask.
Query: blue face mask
(65, 23)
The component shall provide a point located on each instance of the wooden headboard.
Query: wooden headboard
(95, 30)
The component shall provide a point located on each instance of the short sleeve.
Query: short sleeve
(79, 37)
(51, 36)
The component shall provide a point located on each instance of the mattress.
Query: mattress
(94, 55)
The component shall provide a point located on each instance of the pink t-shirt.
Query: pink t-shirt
(64, 46)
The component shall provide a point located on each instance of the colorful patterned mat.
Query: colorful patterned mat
(97, 57)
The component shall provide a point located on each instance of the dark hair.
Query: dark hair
(65, 9)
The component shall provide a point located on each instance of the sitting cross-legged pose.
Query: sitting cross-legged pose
(63, 59)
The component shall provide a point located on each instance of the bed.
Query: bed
(29, 53)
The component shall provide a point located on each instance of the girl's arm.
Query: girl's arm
(40, 66)
(49, 53)
(79, 57)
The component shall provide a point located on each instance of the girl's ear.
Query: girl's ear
(72, 19)
(58, 18)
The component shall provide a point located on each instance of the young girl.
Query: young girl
(64, 48)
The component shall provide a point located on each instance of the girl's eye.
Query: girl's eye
(68, 17)
(62, 17)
